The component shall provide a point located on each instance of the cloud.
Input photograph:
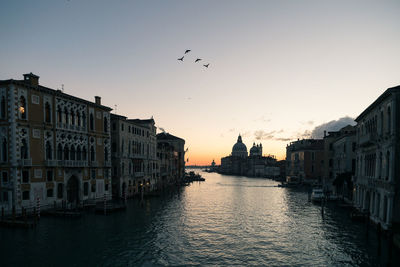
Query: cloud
(162, 129)
(334, 125)
(284, 139)
(262, 135)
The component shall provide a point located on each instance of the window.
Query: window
(93, 174)
(122, 127)
(25, 176)
(60, 190)
(72, 117)
(4, 150)
(105, 154)
(59, 152)
(47, 112)
(114, 126)
(389, 121)
(106, 187)
(5, 196)
(49, 154)
(3, 107)
(25, 195)
(22, 107)
(49, 175)
(78, 153)
(35, 99)
(387, 165)
(85, 188)
(92, 154)
(78, 117)
(84, 153)
(91, 122)
(50, 192)
(4, 177)
(59, 114)
(114, 147)
(72, 153)
(24, 149)
(66, 152)
(93, 188)
(84, 120)
(105, 124)
(66, 116)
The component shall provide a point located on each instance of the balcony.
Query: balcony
(93, 163)
(25, 162)
(72, 163)
(139, 174)
(367, 139)
(51, 163)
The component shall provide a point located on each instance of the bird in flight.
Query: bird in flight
(187, 51)
(206, 65)
(181, 59)
(197, 60)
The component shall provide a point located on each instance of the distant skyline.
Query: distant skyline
(277, 69)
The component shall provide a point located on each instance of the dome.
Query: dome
(239, 149)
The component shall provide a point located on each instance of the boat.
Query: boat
(317, 195)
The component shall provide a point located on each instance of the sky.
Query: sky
(278, 69)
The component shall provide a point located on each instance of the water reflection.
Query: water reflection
(226, 220)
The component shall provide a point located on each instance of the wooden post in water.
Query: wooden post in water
(38, 207)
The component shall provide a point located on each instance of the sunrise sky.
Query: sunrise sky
(277, 68)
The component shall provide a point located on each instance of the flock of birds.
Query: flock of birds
(197, 59)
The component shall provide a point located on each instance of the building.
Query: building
(134, 160)
(171, 155)
(344, 162)
(304, 160)
(55, 147)
(378, 139)
(255, 164)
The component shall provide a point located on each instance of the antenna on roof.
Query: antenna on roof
(62, 88)
(115, 108)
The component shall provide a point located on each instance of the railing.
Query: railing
(94, 163)
(51, 163)
(25, 162)
(72, 163)
(139, 174)
(367, 139)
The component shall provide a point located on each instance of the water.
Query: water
(224, 221)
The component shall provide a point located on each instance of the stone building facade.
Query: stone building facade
(171, 155)
(378, 142)
(54, 147)
(304, 160)
(253, 165)
(134, 149)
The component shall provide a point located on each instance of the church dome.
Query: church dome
(239, 149)
(254, 149)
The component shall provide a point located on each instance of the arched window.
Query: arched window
(66, 116)
(72, 117)
(24, 149)
(84, 153)
(22, 107)
(72, 153)
(91, 122)
(105, 154)
(92, 154)
(4, 150)
(59, 152)
(78, 117)
(66, 152)
(105, 124)
(3, 107)
(381, 123)
(49, 154)
(47, 112)
(123, 168)
(59, 114)
(380, 165)
(389, 121)
(84, 120)
(387, 165)
(78, 153)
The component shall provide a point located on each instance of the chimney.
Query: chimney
(32, 79)
(97, 100)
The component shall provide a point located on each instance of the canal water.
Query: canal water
(224, 221)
